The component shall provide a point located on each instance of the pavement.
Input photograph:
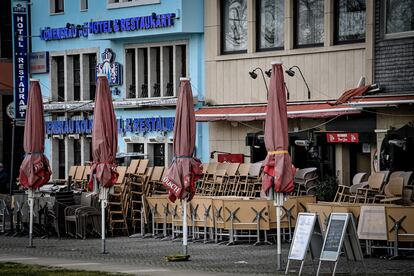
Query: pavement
(139, 256)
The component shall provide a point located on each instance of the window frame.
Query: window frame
(295, 29)
(383, 25)
(161, 45)
(125, 4)
(336, 27)
(52, 7)
(84, 3)
(222, 40)
(258, 30)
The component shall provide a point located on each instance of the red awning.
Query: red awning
(258, 112)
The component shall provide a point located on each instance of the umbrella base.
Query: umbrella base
(177, 258)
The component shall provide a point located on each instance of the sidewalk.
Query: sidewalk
(146, 257)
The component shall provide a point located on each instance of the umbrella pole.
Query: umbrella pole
(30, 200)
(185, 229)
(103, 197)
(279, 202)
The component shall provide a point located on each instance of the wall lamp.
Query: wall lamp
(253, 75)
(291, 73)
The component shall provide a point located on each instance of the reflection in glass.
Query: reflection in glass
(309, 22)
(234, 35)
(351, 20)
(271, 23)
(399, 16)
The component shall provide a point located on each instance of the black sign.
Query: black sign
(334, 235)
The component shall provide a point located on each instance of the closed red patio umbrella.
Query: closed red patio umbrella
(185, 168)
(104, 145)
(278, 170)
(34, 170)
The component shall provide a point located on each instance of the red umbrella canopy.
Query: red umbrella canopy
(104, 136)
(185, 169)
(34, 170)
(278, 170)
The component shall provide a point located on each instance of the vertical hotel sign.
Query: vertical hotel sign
(20, 58)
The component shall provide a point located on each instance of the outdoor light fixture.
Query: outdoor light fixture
(291, 73)
(399, 143)
(268, 72)
(253, 75)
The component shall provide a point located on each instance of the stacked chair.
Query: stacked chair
(305, 181)
(118, 204)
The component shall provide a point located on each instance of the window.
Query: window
(309, 17)
(350, 20)
(60, 78)
(270, 24)
(234, 26)
(92, 75)
(5, 30)
(399, 17)
(130, 3)
(84, 5)
(57, 6)
(153, 72)
(76, 78)
(77, 152)
(61, 159)
(73, 77)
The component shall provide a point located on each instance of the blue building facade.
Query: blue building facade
(144, 46)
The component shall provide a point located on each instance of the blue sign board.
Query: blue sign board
(20, 58)
(134, 125)
(154, 21)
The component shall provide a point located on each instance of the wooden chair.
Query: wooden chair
(343, 192)
(375, 183)
(155, 178)
(85, 177)
(72, 172)
(159, 188)
(77, 180)
(254, 180)
(132, 168)
(208, 177)
(232, 178)
(242, 180)
(393, 191)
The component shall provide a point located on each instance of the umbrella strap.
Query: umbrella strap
(181, 157)
(277, 152)
(34, 153)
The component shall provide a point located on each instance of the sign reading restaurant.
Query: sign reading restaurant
(136, 125)
(154, 21)
(20, 58)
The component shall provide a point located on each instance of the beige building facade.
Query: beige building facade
(241, 35)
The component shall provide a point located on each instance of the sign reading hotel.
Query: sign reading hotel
(154, 21)
(134, 125)
(342, 137)
(20, 58)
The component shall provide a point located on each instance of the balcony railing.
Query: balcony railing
(157, 90)
(144, 91)
(169, 90)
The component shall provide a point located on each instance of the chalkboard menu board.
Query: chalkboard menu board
(334, 235)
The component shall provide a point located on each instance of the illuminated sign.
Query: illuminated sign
(154, 21)
(135, 125)
(342, 137)
(20, 58)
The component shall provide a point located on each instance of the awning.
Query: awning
(258, 112)
(382, 101)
